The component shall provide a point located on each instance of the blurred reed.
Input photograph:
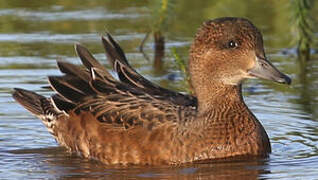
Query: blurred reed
(303, 27)
(162, 13)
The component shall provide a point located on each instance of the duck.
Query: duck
(128, 120)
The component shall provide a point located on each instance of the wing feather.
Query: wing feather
(128, 102)
(128, 75)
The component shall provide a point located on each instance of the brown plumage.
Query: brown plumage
(133, 121)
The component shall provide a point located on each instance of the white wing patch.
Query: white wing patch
(49, 119)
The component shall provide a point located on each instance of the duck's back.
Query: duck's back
(99, 116)
(131, 101)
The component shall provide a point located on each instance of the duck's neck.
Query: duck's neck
(222, 106)
(225, 122)
(219, 96)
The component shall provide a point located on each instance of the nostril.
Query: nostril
(264, 65)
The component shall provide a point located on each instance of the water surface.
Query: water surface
(33, 34)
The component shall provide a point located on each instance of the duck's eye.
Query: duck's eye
(232, 44)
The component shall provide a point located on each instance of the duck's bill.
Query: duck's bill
(265, 70)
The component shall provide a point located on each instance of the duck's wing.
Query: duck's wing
(130, 101)
(128, 75)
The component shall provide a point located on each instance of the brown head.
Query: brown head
(225, 52)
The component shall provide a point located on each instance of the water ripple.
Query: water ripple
(91, 14)
(59, 38)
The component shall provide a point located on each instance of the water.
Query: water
(34, 34)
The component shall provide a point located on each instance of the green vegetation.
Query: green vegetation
(162, 13)
(181, 65)
(303, 27)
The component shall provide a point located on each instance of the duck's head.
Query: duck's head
(228, 50)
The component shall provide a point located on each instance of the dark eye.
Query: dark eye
(232, 44)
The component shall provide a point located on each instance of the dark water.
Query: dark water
(33, 34)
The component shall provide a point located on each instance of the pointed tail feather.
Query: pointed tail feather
(38, 105)
(113, 50)
(29, 100)
(89, 61)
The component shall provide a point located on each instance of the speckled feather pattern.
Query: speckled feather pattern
(133, 121)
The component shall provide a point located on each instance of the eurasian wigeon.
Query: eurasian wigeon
(133, 121)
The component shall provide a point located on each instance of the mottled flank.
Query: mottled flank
(133, 121)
